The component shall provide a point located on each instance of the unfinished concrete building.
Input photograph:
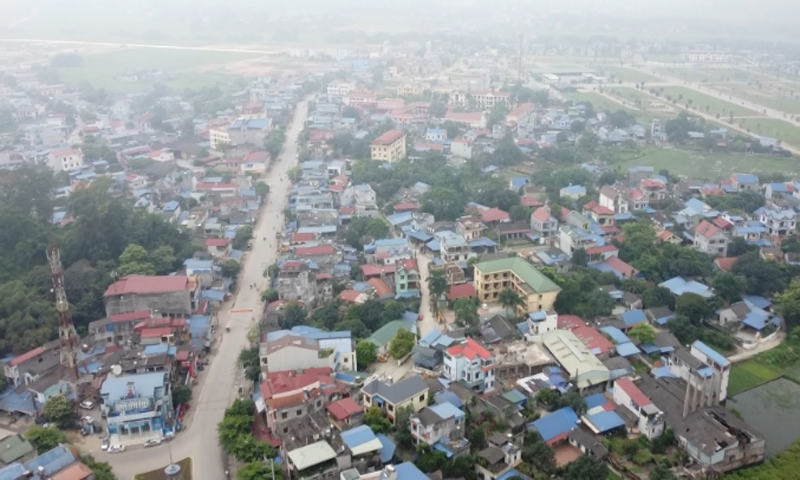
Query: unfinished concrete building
(166, 295)
(297, 281)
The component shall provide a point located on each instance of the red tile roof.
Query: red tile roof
(408, 264)
(463, 116)
(302, 237)
(494, 214)
(713, 191)
(604, 249)
(706, 229)
(627, 386)
(592, 338)
(323, 276)
(131, 316)
(652, 183)
(598, 209)
(286, 401)
(725, 263)
(370, 270)
(344, 408)
(316, 250)
(156, 332)
(621, 267)
(142, 284)
(529, 201)
(665, 235)
(27, 356)
(389, 137)
(211, 186)
(722, 223)
(464, 290)
(217, 242)
(569, 322)
(542, 214)
(349, 295)
(288, 381)
(381, 288)
(470, 349)
(406, 206)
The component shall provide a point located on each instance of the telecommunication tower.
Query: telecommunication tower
(69, 343)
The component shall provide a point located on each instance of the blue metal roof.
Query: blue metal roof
(12, 471)
(52, 461)
(679, 286)
(418, 235)
(358, 436)
(447, 410)
(617, 336)
(662, 372)
(144, 384)
(409, 471)
(595, 400)
(627, 349)
(606, 421)
(388, 448)
(448, 397)
(712, 354)
(758, 301)
(561, 421)
(633, 317)
(482, 242)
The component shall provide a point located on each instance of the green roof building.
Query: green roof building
(537, 291)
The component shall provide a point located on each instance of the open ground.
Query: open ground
(749, 374)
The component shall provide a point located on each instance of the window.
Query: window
(390, 407)
(299, 412)
(422, 398)
(284, 415)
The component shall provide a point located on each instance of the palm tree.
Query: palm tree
(510, 299)
(437, 285)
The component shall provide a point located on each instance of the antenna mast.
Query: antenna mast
(69, 344)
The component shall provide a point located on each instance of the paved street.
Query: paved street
(220, 386)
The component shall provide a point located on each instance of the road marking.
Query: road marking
(242, 310)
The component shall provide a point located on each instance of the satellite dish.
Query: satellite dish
(116, 370)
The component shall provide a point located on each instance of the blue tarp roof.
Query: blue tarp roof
(561, 421)
(595, 400)
(606, 421)
(18, 401)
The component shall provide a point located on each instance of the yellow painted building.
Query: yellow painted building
(389, 147)
(390, 397)
(536, 290)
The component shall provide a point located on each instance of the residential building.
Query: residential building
(297, 281)
(437, 422)
(389, 147)
(573, 192)
(307, 347)
(453, 247)
(243, 131)
(365, 201)
(436, 134)
(340, 89)
(28, 367)
(462, 147)
(583, 367)
(710, 239)
(65, 159)
(407, 277)
(470, 119)
(543, 223)
(499, 458)
(360, 98)
(650, 418)
(745, 181)
(654, 189)
(779, 223)
(537, 291)
(314, 461)
(137, 404)
(639, 173)
(541, 322)
(389, 396)
(470, 227)
(706, 372)
(167, 295)
(472, 364)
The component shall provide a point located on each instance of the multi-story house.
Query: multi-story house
(436, 422)
(639, 173)
(65, 159)
(462, 147)
(650, 418)
(297, 281)
(745, 181)
(243, 131)
(137, 405)
(31, 365)
(470, 227)
(704, 369)
(390, 397)
(472, 364)
(543, 223)
(709, 238)
(359, 98)
(500, 458)
(654, 190)
(604, 216)
(612, 198)
(779, 223)
(307, 347)
(537, 291)
(172, 295)
(453, 247)
(340, 89)
(389, 147)
(117, 329)
(406, 277)
(541, 321)
(574, 238)
(366, 204)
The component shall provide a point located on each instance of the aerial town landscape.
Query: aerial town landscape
(512, 251)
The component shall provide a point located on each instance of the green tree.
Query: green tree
(643, 333)
(293, 315)
(510, 300)
(45, 438)
(163, 259)
(431, 461)
(230, 267)
(662, 472)
(466, 312)
(181, 394)
(262, 189)
(259, 470)
(518, 213)
(135, 261)
(692, 306)
(401, 344)
(437, 285)
(269, 295)
(250, 361)
(658, 297)
(377, 421)
(402, 427)
(549, 398)
(729, 286)
(586, 468)
(58, 409)
(787, 304)
(537, 453)
(443, 202)
(366, 353)
(102, 470)
(579, 258)
(243, 236)
(295, 174)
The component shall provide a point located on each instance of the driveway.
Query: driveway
(199, 441)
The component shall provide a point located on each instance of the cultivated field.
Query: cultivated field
(710, 166)
(772, 127)
(628, 75)
(715, 105)
(748, 374)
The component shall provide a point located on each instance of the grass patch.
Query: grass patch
(701, 101)
(771, 127)
(599, 102)
(705, 165)
(782, 101)
(628, 75)
(181, 68)
(186, 472)
(748, 374)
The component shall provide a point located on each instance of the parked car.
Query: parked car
(118, 448)
(153, 442)
(105, 444)
(88, 419)
(87, 405)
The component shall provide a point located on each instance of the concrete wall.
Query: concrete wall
(170, 303)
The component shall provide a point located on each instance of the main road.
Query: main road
(220, 386)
